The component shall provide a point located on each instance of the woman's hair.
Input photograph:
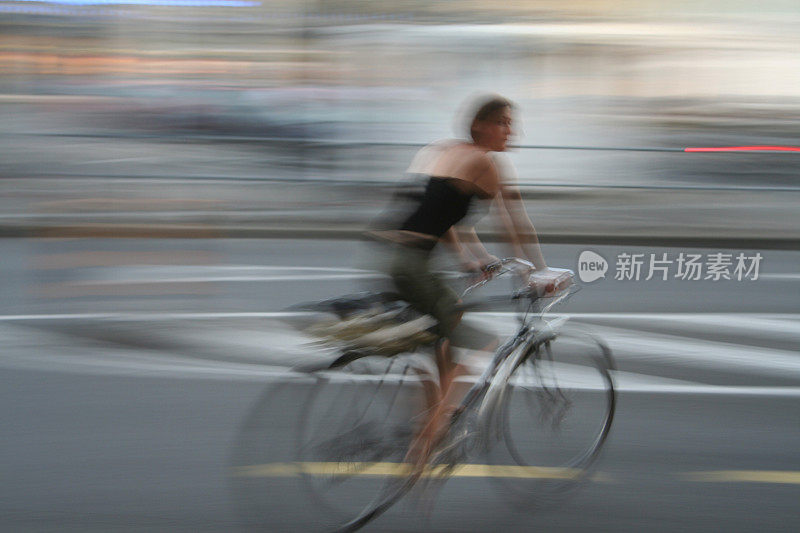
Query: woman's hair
(483, 107)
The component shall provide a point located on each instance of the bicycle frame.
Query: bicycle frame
(486, 398)
(487, 393)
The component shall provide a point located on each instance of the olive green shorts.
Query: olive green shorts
(413, 279)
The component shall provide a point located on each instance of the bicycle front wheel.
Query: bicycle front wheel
(557, 411)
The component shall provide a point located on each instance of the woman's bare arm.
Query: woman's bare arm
(506, 228)
(523, 227)
(515, 207)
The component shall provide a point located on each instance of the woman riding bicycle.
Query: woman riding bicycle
(459, 173)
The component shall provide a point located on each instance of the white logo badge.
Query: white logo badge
(591, 266)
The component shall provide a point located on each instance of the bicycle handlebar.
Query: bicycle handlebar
(537, 283)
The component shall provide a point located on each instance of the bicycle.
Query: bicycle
(359, 418)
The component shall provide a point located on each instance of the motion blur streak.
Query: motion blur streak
(747, 149)
(167, 3)
(175, 175)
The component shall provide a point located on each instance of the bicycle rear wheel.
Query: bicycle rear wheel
(557, 411)
(353, 433)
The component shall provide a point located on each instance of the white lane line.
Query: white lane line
(217, 273)
(767, 324)
(633, 346)
(215, 279)
(792, 276)
(711, 390)
(626, 343)
(144, 316)
(709, 318)
(173, 367)
(712, 317)
(149, 274)
(210, 278)
(212, 269)
(57, 352)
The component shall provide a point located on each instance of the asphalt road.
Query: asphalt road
(117, 453)
(46, 276)
(130, 366)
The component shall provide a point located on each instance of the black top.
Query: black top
(441, 206)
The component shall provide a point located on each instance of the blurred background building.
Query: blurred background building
(318, 92)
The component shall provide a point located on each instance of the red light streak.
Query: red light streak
(744, 149)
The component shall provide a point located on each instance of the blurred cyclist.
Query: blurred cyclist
(459, 174)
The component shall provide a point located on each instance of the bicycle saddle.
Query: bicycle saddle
(369, 322)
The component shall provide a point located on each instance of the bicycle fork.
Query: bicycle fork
(504, 368)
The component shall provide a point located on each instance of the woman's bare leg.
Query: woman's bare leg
(441, 403)
(439, 411)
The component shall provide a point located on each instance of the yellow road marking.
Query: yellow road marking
(745, 476)
(384, 469)
(402, 469)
